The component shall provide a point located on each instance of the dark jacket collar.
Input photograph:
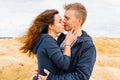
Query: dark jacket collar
(83, 37)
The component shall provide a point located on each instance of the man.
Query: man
(83, 52)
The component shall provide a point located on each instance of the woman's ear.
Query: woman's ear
(50, 26)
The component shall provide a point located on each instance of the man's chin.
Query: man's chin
(67, 29)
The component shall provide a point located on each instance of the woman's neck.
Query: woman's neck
(53, 34)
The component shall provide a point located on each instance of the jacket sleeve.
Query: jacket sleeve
(83, 68)
(55, 53)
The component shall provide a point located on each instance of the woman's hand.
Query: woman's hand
(70, 38)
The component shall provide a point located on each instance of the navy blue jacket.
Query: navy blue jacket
(83, 57)
(49, 55)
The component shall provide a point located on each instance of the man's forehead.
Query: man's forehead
(69, 13)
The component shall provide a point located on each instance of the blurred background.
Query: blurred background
(103, 24)
(16, 16)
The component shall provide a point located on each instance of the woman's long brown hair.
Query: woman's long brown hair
(39, 25)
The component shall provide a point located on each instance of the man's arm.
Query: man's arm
(82, 70)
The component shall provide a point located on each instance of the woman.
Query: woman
(41, 40)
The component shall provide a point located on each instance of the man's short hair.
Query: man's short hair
(80, 9)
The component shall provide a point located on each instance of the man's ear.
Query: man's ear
(80, 20)
(50, 26)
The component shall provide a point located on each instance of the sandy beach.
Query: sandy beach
(15, 65)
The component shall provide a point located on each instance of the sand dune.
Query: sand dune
(15, 65)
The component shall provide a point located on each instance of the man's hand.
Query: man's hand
(40, 77)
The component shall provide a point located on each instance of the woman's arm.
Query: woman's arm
(61, 60)
(69, 39)
(54, 52)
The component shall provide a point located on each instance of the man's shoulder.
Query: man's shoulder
(86, 41)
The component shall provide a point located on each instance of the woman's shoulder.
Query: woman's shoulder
(47, 38)
(44, 41)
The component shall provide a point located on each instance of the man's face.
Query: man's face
(70, 20)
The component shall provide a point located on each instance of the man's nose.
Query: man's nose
(64, 21)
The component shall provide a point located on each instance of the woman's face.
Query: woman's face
(58, 26)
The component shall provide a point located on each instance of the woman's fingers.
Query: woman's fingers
(75, 32)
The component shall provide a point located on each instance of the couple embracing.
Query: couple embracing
(64, 57)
